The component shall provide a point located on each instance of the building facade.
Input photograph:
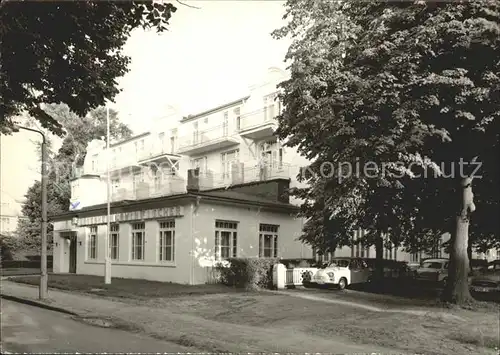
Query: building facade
(223, 172)
(179, 238)
(10, 215)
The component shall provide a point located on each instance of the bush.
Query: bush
(293, 263)
(247, 273)
(8, 245)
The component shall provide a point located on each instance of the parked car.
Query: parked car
(487, 283)
(433, 270)
(478, 264)
(392, 268)
(343, 272)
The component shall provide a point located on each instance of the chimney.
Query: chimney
(283, 193)
(193, 181)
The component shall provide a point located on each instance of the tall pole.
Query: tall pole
(43, 264)
(43, 287)
(107, 259)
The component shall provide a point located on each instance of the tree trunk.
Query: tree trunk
(457, 286)
(469, 254)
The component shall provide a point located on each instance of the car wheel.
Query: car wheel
(342, 283)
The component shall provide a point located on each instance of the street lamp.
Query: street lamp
(43, 265)
(107, 258)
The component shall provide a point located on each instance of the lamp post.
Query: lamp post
(107, 259)
(43, 264)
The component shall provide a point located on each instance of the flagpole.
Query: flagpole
(107, 259)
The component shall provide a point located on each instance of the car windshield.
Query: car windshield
(340, 263)
(432, 265)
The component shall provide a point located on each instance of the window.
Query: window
(225, 125)
(114, 238)
(227, 160)
(92, 244)
(237, 113)
(270, 104)
(205, 120)
(226, 240)
(200, 163)
(161, 141)
(272, 154)
(196, 133)
(173, 138)
(167, 240)
(268, 241)
(138, 241)
(136, 179)
(414, 257)
(113, 158)
(115, 185)
(94, 162)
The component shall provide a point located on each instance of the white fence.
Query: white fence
(297, 276)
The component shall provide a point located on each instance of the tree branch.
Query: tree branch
(194, 7)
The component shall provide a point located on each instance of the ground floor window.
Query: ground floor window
(114, 240)
(92, 244)
(226, 240)
(268, 240)
(138, 240)
(167, 240)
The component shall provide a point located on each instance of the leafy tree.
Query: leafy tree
(80, 131)
(8, 246)
(68, 52)
(412, 87)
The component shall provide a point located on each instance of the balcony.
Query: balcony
(260, 124)
(241, 175)
(124, 163)
(168, 187)
(157, 153)
(199, 142)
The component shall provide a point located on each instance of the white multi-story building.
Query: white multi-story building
(191, 190)
(10, 215)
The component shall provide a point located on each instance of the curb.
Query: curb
(37, 304)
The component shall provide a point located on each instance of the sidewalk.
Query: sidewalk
(193, 331)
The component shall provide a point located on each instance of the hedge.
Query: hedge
(247, 273)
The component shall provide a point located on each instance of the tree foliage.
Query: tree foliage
(69, 52)
(411, 90)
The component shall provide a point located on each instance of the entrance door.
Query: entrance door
(72, 254)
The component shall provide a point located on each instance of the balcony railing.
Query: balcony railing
(122, 161)
(259, 124)
(145, 190)
(205, 140)
(157, 150)
(241, 175)
(77, 172)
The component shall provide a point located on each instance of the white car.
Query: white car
(343, 272)
(433, 270)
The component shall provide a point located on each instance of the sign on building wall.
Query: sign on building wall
(156, 213)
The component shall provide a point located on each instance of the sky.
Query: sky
(208, 57)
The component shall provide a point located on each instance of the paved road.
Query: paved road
(31, 329)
